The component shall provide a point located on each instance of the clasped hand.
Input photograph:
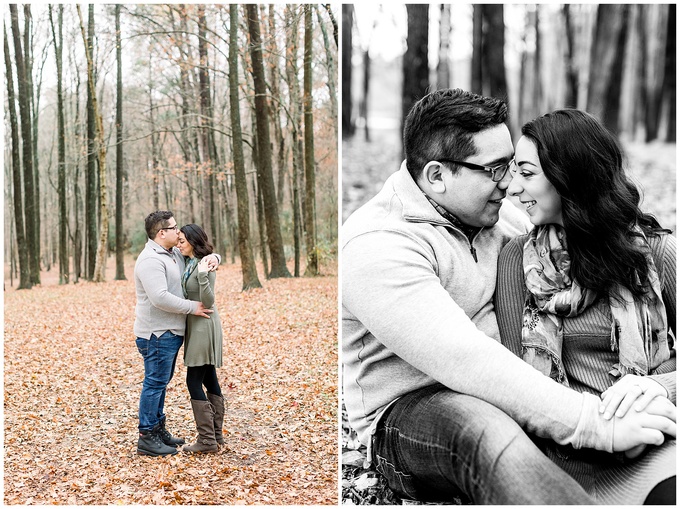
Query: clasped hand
(636, 430)
(631, 389)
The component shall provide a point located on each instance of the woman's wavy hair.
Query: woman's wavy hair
(198, 239)
(600, 204)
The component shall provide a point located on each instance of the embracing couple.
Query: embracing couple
(508, 362)
(175, 285)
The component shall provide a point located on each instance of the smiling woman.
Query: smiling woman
(531, 186)
(588, 298)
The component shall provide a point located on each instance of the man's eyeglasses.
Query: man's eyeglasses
(497, 172)
(176, 228)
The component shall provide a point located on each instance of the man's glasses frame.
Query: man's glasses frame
(176, 228)
(497, 172)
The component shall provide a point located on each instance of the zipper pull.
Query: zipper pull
(473, 252)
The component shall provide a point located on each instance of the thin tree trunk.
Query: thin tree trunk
(91, 173)
(443, 69)
(669, 82)
(22, 245)
(476, 78)
(61, 135)
(248, 267)
(347, 25)
(312, 268)
(294, 123)
(120, 259)
(571, 98)
(332, 68)
(278, 259)
(100, 261)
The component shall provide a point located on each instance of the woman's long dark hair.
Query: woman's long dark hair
(600, 204)
(198, 239)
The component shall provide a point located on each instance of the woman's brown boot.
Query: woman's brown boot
(218, 404)
(203, 415)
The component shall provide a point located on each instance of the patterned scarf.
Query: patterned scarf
(193, 262)
(639, 327)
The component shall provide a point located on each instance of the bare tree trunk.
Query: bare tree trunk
(443, 69)
(571, 98)
(669, 82)
(347, 23)
(276, 251)
(248, 267)
(606, 64)
(476, 79)
(332, 66)
(120, 260)
(294, 123)
(91, 173)
(27, 145)
(415, 70)
(155, 174)
(312, 268)
(493, 51)
(100, 262)
(24, 263)
(61, 134)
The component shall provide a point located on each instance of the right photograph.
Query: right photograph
(508, 267)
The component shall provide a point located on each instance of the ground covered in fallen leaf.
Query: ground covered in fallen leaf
(72, 378)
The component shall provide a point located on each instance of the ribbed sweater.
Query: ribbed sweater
(588, 358)
(586, 350)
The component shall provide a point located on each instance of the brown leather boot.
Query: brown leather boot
(203, 415)
(219, 405)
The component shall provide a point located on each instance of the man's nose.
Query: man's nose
(505, 181)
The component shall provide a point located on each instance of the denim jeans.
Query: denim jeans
(160, 356)
(434, 444)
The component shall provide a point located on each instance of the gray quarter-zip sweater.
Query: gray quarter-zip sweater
(158, 282)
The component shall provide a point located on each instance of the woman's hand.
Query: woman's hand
(631, 389)
(203, 265)
(635, 430)
(659, 406)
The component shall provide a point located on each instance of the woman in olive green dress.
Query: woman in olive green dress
(202, 342)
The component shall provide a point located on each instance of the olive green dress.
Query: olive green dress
(203, 337)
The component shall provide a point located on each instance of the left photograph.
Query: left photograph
(170, 254)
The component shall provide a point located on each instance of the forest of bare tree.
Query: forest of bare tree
(225, 115)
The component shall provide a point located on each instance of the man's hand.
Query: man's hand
(631, 389)
(212, 262)
(636, 429)
(203, 311)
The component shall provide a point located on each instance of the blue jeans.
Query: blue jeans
(434, 444)
(160, 355)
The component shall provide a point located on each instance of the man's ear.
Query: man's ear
(433, 177)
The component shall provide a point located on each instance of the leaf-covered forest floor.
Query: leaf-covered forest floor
(366, 166)
(72, 378)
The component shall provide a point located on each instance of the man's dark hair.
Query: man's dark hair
(155, 221)
(442, 123)
(198, 239)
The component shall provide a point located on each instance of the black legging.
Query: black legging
(197, 376)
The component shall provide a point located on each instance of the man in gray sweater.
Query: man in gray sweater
(160, 321)
(441, 405)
